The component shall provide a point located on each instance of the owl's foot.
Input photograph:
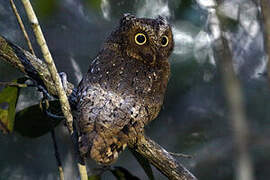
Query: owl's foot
(63, 77)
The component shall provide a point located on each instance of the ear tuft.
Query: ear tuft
(126, 18)
(162, 20)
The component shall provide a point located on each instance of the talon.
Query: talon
(63, 77)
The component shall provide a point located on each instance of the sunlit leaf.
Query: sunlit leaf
(94, 177)
(33, 122)
(8, 100)
(144, 163)
(123, 174)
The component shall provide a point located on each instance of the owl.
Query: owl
(124, 87)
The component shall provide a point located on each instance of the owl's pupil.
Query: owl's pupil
(163, 41)
(140, 38)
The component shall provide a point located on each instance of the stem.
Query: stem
(22, 26)
(265, 7)
(57, 156)
(234, 97)
(50, 63)
(53, 71)
(161, 159)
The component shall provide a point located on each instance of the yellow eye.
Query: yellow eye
(140, 39)
(164, 41)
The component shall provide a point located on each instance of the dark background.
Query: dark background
(194, 119)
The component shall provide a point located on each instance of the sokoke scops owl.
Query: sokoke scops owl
(124, 87)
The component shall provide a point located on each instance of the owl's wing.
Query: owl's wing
(108, 113)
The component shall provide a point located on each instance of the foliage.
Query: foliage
(8, 100)
(33, 122)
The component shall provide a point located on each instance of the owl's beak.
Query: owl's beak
(150, 57)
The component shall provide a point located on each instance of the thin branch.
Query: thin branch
(50, 63)
(30, 65)
(161, 159)
(265, 7)
(234, 97)
(44, 106)
(22, 27)
(53, 71)
(57, 156)
(34, 68)
(83, 171)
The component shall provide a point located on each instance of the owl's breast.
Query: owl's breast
(116, 99)
(118, 89)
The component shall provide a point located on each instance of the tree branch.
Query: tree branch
(30, 65)
(234, 96)
(50, 64)
(37, 71)
(57, 156)
(161, 159)
(265, 7)
(22, 26)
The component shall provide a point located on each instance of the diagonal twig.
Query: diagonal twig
(57, 155)
(265, 8)
(22, 26)
(161, 159)
(50, 63)
(54, 74)
(233, 94)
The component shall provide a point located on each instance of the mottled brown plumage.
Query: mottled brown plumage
(124, 87)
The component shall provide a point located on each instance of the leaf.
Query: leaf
(144, 163)
(33, 122)
(94, 177)
(8, 100)
(123, 174)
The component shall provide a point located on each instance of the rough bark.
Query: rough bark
(161, 159)
(265, 7)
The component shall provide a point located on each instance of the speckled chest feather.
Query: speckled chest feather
(124, 87)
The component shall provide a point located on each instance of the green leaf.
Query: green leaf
(144, 163)
(33, 122)
(94, 177)
(123, 174)
(8, 100)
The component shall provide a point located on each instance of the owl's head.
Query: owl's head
(147, 40)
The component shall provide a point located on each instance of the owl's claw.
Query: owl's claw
(63, 77)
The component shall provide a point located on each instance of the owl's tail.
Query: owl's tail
(103, 148)
(105, 145)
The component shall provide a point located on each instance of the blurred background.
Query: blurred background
(194, 118)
